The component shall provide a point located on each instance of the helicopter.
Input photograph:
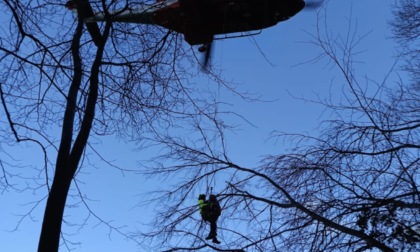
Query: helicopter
(200, 21)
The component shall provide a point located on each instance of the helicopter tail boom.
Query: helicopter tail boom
(139, 16)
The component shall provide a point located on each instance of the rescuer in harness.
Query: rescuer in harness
(210, 211)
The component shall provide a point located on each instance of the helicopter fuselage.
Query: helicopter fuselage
(200, 20)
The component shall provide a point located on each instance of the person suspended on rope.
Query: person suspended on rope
(210, 211)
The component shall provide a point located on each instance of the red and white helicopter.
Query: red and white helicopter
(200, 21)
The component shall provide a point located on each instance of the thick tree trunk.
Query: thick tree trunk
(70, 153)
(65, 169)
(54, 210)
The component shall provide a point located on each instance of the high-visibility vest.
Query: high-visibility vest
(201, 204)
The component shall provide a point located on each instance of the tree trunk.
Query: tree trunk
(65, 169)
(54, 210)
(69, 156)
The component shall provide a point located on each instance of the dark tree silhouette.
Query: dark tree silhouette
(131, 84)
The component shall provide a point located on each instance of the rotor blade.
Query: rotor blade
(313, 4)
(207, 56)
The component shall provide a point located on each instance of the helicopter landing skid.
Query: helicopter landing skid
(204, 47)
(238, 35)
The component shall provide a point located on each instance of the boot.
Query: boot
(216, 241)
(209, 237)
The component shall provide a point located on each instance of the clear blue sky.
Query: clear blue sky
(242, 61)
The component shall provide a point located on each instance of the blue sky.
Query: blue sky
(268, 65)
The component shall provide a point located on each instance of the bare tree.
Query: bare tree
(355, 187)
(406, 28)
(131, 84)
